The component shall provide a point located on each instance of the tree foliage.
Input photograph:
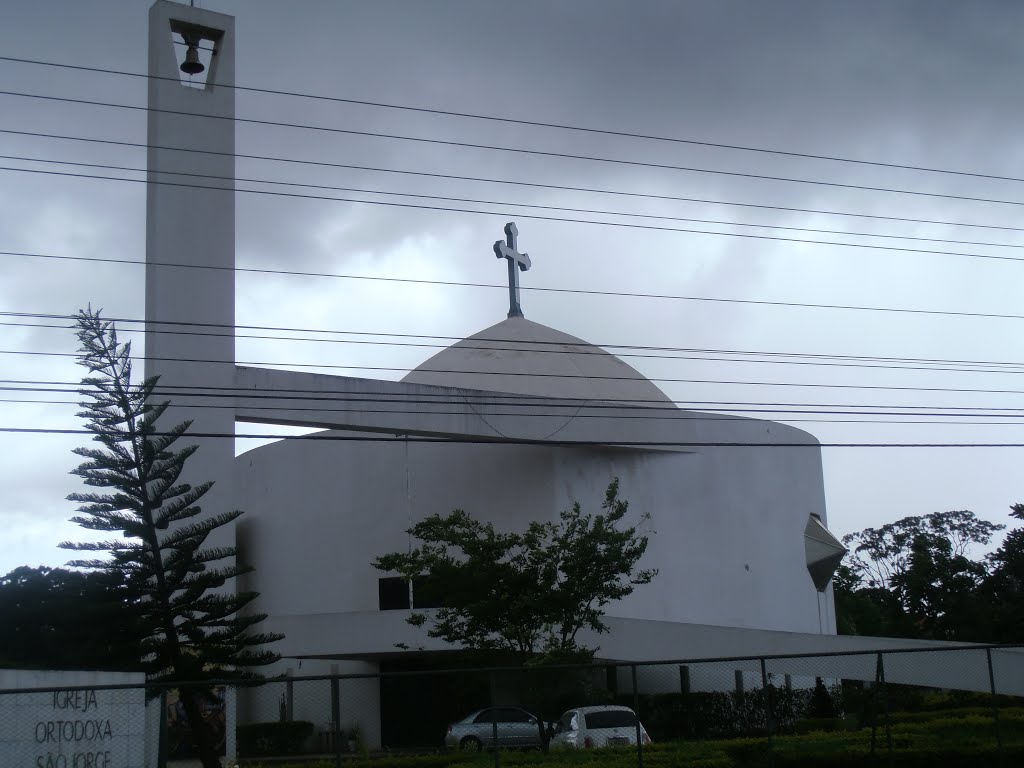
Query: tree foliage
(883, 556)
(54, 618)
(1004, 589)
(916, 577)
(190, 627)
(528, 593)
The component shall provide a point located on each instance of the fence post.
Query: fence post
(639, 730)
(885, 709)
(874, 702)
(684, 689)
(289, 696)
(162, 746)
(494, 721)
(995, 705)
(769, 716)
(336, 718)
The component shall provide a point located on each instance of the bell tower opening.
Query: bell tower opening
(195, 51)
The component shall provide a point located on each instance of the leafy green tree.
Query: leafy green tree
(526, 593)
(190, 626)
(1005, 585)
(865, 610)
(939, 590)
(881, 554)
(54, 618)
(915, 578)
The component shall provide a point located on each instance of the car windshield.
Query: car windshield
(611, 718)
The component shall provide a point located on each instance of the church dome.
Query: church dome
(518, 356)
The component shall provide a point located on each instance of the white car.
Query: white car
(601, 726)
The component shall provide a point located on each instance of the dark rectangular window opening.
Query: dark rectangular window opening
(393, 593)
(424, 594)
(610, 718)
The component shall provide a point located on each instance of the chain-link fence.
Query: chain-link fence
(884, 707)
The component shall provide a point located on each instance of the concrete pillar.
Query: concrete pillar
(194, 227)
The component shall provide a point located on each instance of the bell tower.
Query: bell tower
(190, 237)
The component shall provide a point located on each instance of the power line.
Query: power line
(534, 123)
(487, 399)
(587, 292)
(477, 201)
(512, 182)
(781, 417)
(534, 216)
(811, 385)
(582, 291)
(496, 399)
(514, 150)
(35, 353)
(493, 344)
(402, 438)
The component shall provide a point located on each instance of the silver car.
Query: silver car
(517, 728)
(602, 726)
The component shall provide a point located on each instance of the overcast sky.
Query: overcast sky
(929, 84)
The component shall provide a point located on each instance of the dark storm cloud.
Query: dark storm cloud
(922, 83)
(919, 83)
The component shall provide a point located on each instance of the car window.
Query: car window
(513, 715)
(483, 717)
(611, 718)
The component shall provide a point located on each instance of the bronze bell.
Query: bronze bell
(192, 65)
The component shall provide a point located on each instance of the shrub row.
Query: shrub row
(958, 738)
(277, 738)
(731, 758)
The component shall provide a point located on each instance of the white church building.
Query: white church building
(512, 424)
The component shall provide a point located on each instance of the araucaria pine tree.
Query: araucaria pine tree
(191, 627)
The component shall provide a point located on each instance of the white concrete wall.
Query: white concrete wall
(964, 669)
(729, 521)
(80, 727)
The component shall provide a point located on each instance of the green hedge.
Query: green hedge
(931, 716)
(273, 739)
(826, 724)
(963, 738)
(724, 714)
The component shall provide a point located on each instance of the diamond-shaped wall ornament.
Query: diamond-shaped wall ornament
(824, 552)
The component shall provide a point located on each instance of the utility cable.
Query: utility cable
(532, 123)
(36, 353)
(512, 182)
(504, 287)
(502, 345)
(399, 438)
(729, 382)
(487, 399)
(689, 417)
(515, 204)
(533, 216)
(514, 150)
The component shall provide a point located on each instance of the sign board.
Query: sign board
(70, 726)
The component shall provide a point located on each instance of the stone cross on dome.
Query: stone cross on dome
(507, 250)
